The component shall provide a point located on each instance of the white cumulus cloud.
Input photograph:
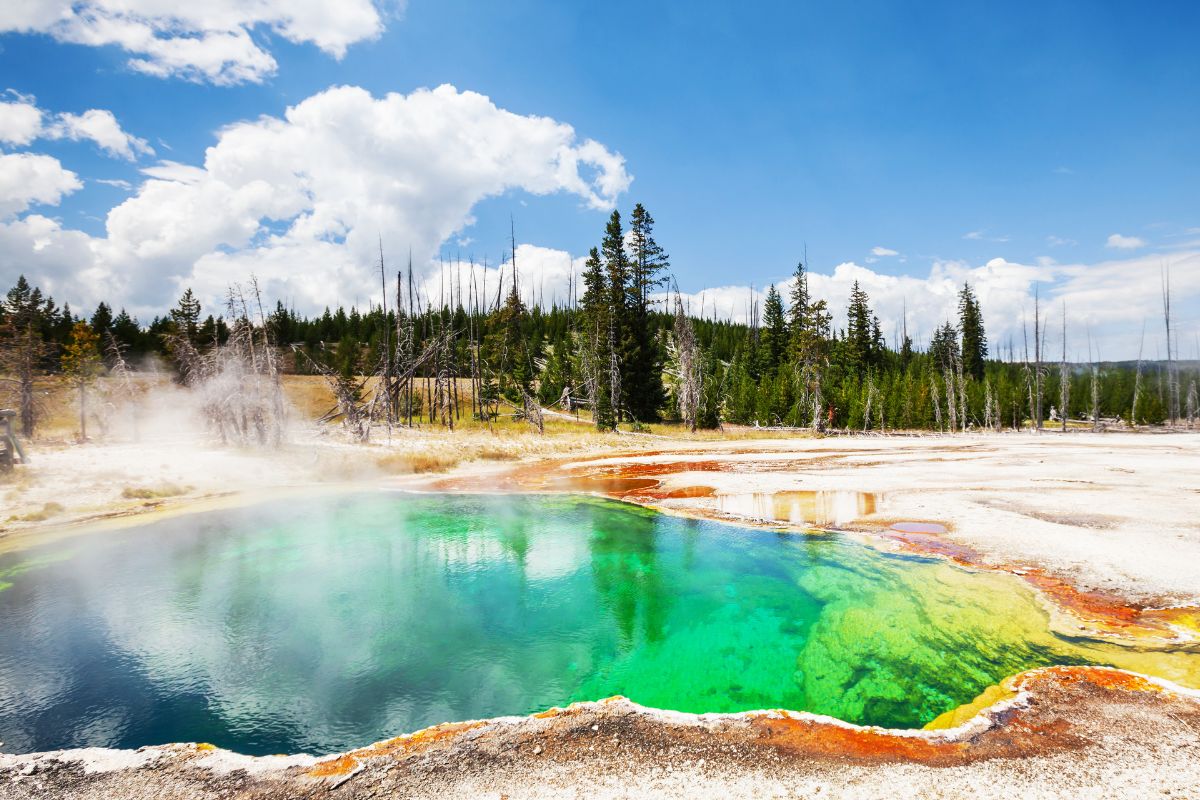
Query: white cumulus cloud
(302, 200)
(1119, 242)
(28, 178)
(545, 276)
(209, 41)
(1110, 300)
(21, 122)
(101, 127)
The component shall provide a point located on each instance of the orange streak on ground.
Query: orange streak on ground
(334, 767)
(348, 762)
(1017, 731)
(808, 736)
(1107, 678)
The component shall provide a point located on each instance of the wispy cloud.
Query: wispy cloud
(1118, 242)
(1060, 241)
(117, 182)
(884, 251)
(982, 236)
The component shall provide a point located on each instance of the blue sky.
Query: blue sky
(942, 136)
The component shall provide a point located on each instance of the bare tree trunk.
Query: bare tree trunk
(1064, 389)
(870, 400)
(989, 409)
(951, 399)
(1037, 357)
(82, 411)
(1172, 378)
(1137, 380)
(818, 405)
(689, 378)
(1095, 364)
(937, 403)
(1028, 371)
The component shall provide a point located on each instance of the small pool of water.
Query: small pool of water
(328, 623)
(918, 527)
(819, 508)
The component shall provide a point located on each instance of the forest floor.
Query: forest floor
(1104, 526)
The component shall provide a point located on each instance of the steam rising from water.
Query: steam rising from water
(328, 623)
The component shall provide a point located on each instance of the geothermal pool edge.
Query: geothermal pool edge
(1068, 731)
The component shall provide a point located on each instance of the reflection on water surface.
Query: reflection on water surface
(328, 623)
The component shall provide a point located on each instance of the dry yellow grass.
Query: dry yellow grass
(47, 511)
(403, 463)
(154, 492)
(310, 397)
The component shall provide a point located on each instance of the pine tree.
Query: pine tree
(102, 320)
(808, 323)
(860, 333)
(648, 261)
(974, 340)
(23, 346)
(186, 316)
(798, 303)
(616, 268)
(774, 332)
(943, 347)
(128, 332)
(24, 304)
(514, 357)
(643, 360)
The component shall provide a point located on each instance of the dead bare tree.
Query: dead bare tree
(871, 404)
(991, 417)
(238, 383)
(21, 351)
(685, 367)
(951, 385)
(1038, 333)
(385, 377)
(1028, 371)
(614, 371)
(961, 380)
(532, 412)
(1064, 379)
(937, 404)
(1137, 379)
(122, 377)
(1095, 384)
(445, 378)
(1193, 405)
(1172, 377)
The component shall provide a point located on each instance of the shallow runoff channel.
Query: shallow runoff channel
(331, 622)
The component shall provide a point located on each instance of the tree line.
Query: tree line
(623, 346)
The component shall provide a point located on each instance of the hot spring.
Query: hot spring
(331, 622)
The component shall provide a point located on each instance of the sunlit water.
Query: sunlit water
(333, 622)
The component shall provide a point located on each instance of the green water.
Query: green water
(328, 623)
